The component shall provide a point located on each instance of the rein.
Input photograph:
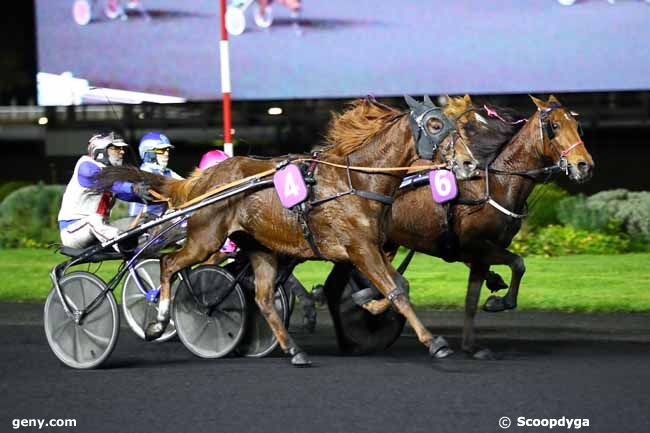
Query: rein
(271, 171)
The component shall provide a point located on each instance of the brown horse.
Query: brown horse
(479, 233)
(350, 228)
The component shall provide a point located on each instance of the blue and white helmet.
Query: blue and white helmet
(151, 142)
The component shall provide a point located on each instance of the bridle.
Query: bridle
(436, 141)
(545, 125)
(561, 164)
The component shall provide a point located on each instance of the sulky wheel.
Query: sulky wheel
(210, 317)
(259, 340)
(358, 331)
(82, 12)
(139, 310)
(114, 10)
(264, 20)
(235, 20)
(89, 343)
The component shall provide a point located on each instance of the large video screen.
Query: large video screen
(168, 50)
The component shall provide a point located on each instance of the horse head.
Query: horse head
(436, 137)
(484, 129)
(560, 140)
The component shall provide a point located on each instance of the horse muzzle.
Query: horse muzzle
(466, 169)
(581, 172)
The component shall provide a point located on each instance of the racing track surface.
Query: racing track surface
(354, 48)
(162, 388)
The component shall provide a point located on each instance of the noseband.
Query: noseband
(545, 126)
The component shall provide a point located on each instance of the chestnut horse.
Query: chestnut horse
(347, 227)
(479, 233)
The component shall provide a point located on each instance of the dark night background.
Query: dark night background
(617, 124)
(18, 52)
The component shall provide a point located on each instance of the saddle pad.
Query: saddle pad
(290, 186)
(443, 185)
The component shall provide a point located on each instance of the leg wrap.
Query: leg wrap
(395, 293)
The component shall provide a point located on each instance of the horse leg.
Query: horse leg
(516, 263)
(306, 302)
(477, 275)
(192, 252)
(378, 270)
(265, 267)
(493, 281)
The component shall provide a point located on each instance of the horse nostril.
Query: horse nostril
(469, 165)
(584, 167)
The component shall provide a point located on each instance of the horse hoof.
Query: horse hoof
(494, 282)
(496, 304)
(484, 355)
(443, 353)
(439, 348)
(154, 331)
(300, 359)
(377, 307)
(363, 297)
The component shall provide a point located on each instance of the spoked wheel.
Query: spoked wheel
(114, 10)
(90, 343)
(211, 317)
(358, 331)
(259, 340)
(82, 12)
(138, 310)
(263, 20)
(235, 21)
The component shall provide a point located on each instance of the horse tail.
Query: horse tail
(176, 190)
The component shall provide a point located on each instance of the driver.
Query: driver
(83, 218)
(154, 150)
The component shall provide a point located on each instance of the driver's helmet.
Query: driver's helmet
(151, 142)
(211, 158)
(98, 144)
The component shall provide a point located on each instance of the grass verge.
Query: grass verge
(573, 283)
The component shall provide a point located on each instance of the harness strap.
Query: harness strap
(307, 233)
(506, 211)
(303, 209)
(370, 195)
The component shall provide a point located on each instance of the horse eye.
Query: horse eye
(555, 125)
(434, 125)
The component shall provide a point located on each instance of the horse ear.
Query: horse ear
(467, 99)
(553, 99)
(412, 102)
(428, 102)
(540, 104)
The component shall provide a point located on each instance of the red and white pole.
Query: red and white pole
(225, 82)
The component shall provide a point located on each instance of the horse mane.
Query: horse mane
(362, 121)
(487, 138)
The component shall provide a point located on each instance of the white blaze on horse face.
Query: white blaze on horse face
(480, 118)
(290, 186)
